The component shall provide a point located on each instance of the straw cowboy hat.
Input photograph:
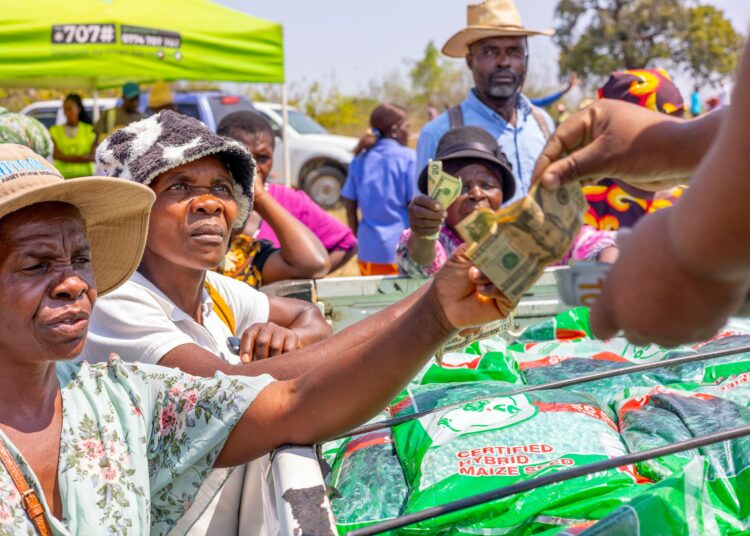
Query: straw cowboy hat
(491, 18)
(114, 211)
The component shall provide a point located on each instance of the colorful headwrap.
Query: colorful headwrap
(650, 88)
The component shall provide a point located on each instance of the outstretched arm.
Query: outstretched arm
(359, 378)
(197, 361)
(684, 270)
(612, 138)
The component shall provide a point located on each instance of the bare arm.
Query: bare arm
(684, 271)
(617, 139)
(351, 213)
(301, 256)
(193, 359)
(292, 324)
(339, 257)
(359, 377)
(715, 244)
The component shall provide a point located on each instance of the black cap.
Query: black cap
(478, 144)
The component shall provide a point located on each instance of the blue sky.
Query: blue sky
(355, 41)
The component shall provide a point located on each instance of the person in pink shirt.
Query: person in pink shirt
(335, 236)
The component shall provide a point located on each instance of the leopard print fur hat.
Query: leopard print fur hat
(147, 148)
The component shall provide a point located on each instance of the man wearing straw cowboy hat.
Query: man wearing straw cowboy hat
(494, 44)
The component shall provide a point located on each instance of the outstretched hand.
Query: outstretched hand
(612, 139)
(465, 295)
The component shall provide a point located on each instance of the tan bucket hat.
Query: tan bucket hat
(115, 211)
(491, 18)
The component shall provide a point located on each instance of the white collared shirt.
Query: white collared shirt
(140, 323)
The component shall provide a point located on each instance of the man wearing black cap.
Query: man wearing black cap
(120, 116)
(472, 154)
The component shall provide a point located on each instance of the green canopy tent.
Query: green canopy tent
(98, 44)
(102, 43)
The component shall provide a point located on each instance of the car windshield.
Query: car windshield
(304, 124)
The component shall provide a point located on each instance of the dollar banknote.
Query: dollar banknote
(513, 246)
(442, 187)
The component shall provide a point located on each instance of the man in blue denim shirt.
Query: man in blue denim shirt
(496, 51)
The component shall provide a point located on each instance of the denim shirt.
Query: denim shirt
(522, 144)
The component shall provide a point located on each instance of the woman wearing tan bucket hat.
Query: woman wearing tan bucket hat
(494, 44)
(122, 448)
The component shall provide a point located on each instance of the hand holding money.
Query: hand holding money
(425, 217)
(513, 246)
(443, 188)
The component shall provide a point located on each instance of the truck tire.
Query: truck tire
(324, 185)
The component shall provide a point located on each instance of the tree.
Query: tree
(437, 80)
(597, 37)
(428, 72)
(714, 44)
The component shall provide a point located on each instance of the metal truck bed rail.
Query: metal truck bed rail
(301, 501)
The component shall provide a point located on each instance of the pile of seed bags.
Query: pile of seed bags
(487, 436)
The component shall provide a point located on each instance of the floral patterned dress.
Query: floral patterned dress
(136, 443)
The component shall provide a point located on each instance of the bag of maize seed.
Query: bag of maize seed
(651, 418)
(481, 360)
(679, 505)
(491, 441)
(549, 361)
(367, 485)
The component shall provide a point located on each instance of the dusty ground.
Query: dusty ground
(350, 269)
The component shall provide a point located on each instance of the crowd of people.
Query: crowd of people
(125, 406)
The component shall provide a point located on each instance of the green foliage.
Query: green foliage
(714, 44)
(597, 37)
(437, 80)
(427, 73)
(432, 79)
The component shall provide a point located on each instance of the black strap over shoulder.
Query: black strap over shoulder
(456, 117)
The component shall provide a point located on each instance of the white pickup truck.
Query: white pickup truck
(318, 160)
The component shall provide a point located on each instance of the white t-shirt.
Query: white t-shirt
(139, 322)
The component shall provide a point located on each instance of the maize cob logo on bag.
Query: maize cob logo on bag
(479, 416)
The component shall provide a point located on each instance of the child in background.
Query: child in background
(381, 185)
(300, 254)
(254, 131)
